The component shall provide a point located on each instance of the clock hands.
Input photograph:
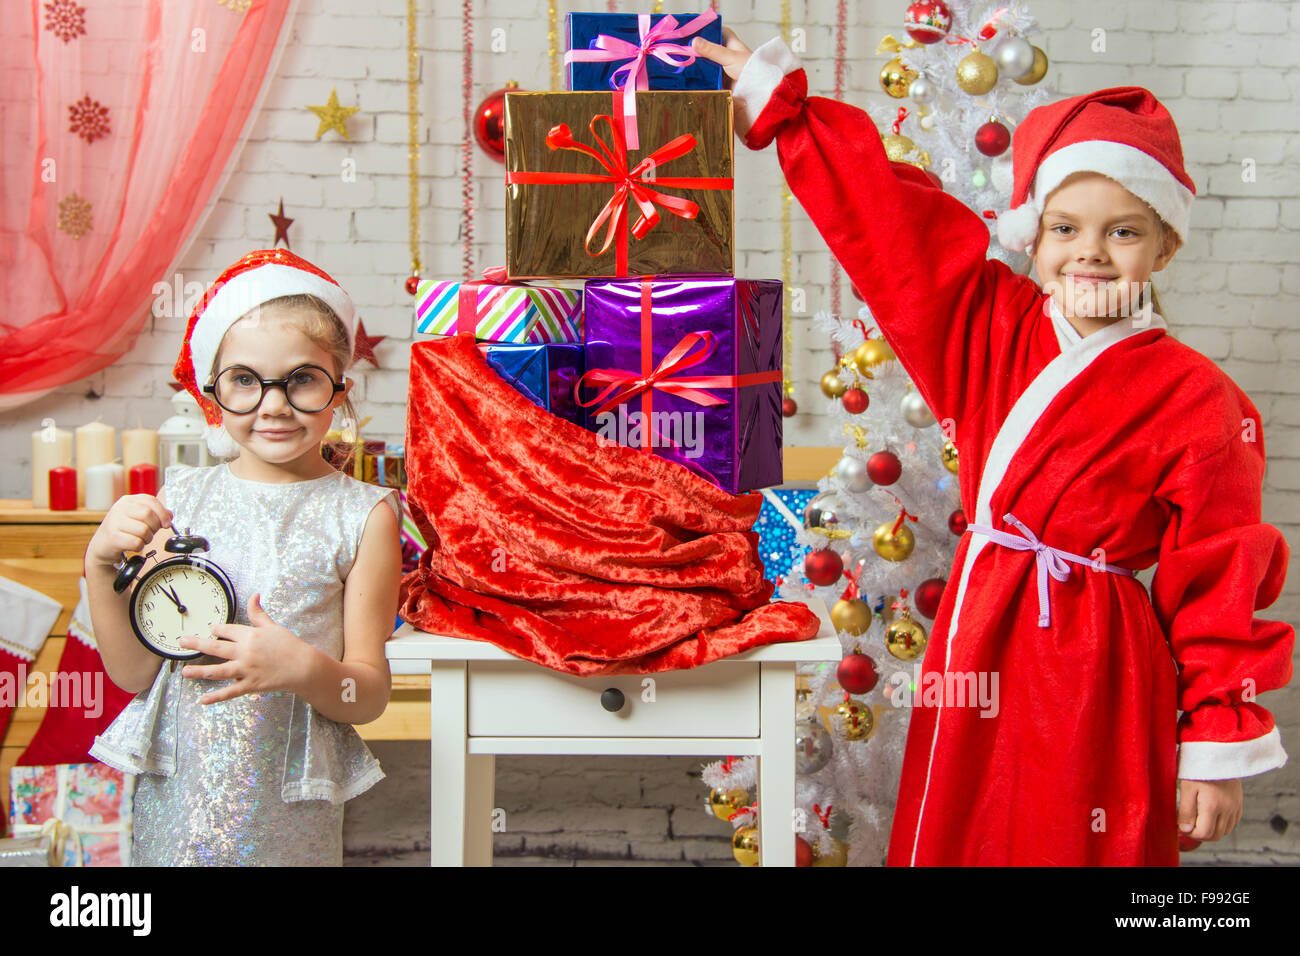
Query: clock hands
(171, 596)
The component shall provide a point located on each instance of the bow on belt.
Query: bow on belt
(1050, 560)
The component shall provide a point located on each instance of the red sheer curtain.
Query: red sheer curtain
(120, 120)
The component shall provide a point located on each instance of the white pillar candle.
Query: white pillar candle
(139, 447)
(104, 485)
(51, 448)
(94, 447)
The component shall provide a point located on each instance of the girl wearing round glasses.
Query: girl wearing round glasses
(246, 754)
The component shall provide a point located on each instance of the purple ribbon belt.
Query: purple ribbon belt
(1050, 560)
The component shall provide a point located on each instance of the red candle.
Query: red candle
(63, 488)
(143, 479)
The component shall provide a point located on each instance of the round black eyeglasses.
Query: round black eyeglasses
(240, 390)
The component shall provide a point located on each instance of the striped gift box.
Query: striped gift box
(506, 313)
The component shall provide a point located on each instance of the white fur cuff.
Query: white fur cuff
(761, 76)
(1212, 760)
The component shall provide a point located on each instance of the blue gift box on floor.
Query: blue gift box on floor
(584, 28)
(543, 374)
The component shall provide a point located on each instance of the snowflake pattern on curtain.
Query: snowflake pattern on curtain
(88, 119)
(74, 216)
(65, 19)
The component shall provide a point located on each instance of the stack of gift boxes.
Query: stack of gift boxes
(625, 181)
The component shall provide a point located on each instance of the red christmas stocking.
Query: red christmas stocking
(81, 700)
(26, 617)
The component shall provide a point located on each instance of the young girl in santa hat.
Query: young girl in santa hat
(1092, 445)
(246, 755)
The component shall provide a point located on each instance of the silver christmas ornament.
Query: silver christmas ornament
(813, 746)
(915, 412)
(1014, 57)
(922, 91)
(853, 473)
(825, 513)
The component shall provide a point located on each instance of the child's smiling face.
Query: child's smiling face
(269, 342)
(1097, 246)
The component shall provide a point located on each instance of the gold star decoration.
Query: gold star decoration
(332, 116)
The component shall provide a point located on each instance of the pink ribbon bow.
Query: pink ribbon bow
(1050, 560)
(656, 41)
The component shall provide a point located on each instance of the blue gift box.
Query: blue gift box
(584, 28)
(543, 374)
(777, 531)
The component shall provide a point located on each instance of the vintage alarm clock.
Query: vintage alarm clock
(184, 595)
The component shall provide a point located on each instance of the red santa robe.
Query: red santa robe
(1124, 447)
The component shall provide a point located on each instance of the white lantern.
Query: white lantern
(180, 438)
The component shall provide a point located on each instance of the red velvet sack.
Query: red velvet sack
(586, 557)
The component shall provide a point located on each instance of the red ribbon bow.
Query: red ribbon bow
(629, 184)
(621, 385)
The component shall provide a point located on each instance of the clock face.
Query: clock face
(180, 597)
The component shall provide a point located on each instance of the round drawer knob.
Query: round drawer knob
(612, 700)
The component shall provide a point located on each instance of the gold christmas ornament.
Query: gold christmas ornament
(332, 116)
(723, 803)
(897, 146)
(871, 353)
(852, 720)
(837, 855)
(896, 79)
(950, 456)
(894, 545)
(977, 73)
(904, 638)
(744, 845)
(1037, 72)
(853, 616)
(832, 385)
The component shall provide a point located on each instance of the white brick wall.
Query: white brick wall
(1226, 70)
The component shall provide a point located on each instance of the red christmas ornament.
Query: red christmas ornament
(957, 522)
(856, 294)
(412, 284)
(823, 567)
(992, 139)
(884, 468)
(928, 595)
(855, 401)
(788, 407)
(857, 673)
(934, 179)
(928, 21)
(490, 122)
(1185, 843)
(803, 852)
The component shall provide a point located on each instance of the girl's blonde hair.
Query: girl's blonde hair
(323, 328)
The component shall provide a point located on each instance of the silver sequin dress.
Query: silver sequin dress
(260, 779)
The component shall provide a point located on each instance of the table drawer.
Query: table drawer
(509, 699)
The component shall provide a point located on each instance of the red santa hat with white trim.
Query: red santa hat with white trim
(255, 279)
(1123, 132)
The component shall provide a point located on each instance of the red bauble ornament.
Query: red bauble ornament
(857, 673)
(788, 407)
(992, 139)
(803, 852)
(855, 401)
(490, 122)
(884, 468)
(928, 21)
(1185, 843)
(928, 594)
(823, 567)
(957, 522)
(934, 179)
(856, 294)
(412, 283)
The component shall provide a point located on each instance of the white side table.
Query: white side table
(484, 702)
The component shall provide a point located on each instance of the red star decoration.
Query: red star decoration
(365, 345)
(282, 224)
(176, 386)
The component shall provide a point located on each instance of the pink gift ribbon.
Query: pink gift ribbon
(656, 41)
(1050, 560)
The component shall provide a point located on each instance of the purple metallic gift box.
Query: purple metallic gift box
(736, 325)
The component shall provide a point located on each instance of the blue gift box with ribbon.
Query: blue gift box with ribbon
(543, 374)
